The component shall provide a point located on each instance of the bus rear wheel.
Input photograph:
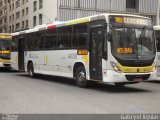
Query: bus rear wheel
(30, 70)
(81, 77)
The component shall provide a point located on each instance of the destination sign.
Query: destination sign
(130, 20)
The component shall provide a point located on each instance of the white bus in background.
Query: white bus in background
(106, 48)
(157, 34)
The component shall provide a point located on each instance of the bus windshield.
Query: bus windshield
(5, 47)
(5, 44)
(131, 43)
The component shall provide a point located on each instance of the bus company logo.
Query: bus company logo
(9, 117)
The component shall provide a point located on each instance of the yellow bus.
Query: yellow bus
(5, 50)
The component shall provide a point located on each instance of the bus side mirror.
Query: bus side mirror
(109, 37)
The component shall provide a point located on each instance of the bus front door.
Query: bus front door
(96, 52)
(21, 54)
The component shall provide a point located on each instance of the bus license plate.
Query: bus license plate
(137, 79)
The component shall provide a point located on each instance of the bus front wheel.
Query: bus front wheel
(30, 70)
(81, 77)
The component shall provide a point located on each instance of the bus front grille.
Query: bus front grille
(133, 77)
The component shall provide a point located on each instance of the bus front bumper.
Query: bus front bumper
(5, 63)
(115, 77)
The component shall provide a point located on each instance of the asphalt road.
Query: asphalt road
(21, 94)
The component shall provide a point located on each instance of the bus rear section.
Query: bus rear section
(5, 50)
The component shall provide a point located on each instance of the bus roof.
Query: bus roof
(71, 22)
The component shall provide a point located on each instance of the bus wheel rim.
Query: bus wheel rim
(30, 72)
(81, 76)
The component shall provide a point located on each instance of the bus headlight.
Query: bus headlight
(115, 67)
(154, 68)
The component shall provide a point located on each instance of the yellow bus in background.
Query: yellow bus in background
(5, 50)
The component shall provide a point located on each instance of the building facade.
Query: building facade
(42, 12)
(71, 9)
(3, 16)
(25, 14)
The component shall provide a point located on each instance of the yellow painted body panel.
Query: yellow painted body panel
(83, 20)
(5, 61)
(146, 69)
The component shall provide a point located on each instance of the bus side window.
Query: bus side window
(50, 42)
(64, 37)
(14, 43)
(50, 39)
(37, 40)
(41, 43)
(30, 41)
(80, 35)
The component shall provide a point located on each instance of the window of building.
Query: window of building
(5, 1)
(23, 1)
(1, 13)
(10, 7)
(40, 19)
(22, 24)
(1, 3)
(27, 11)
(5, 10)
(13, 6)
(12, 28)
(1, 22)
(4, 20)
(22, 12)
(131, 4)
(26, 23)
(40, 4)
(17, 3)
(34, 5)
(4, 29)
(34, 21)
(12, 17)
(18, 15)
(17, 26)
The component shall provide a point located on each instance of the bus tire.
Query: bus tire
(120, 84)
(31, 70)
(81, 77)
